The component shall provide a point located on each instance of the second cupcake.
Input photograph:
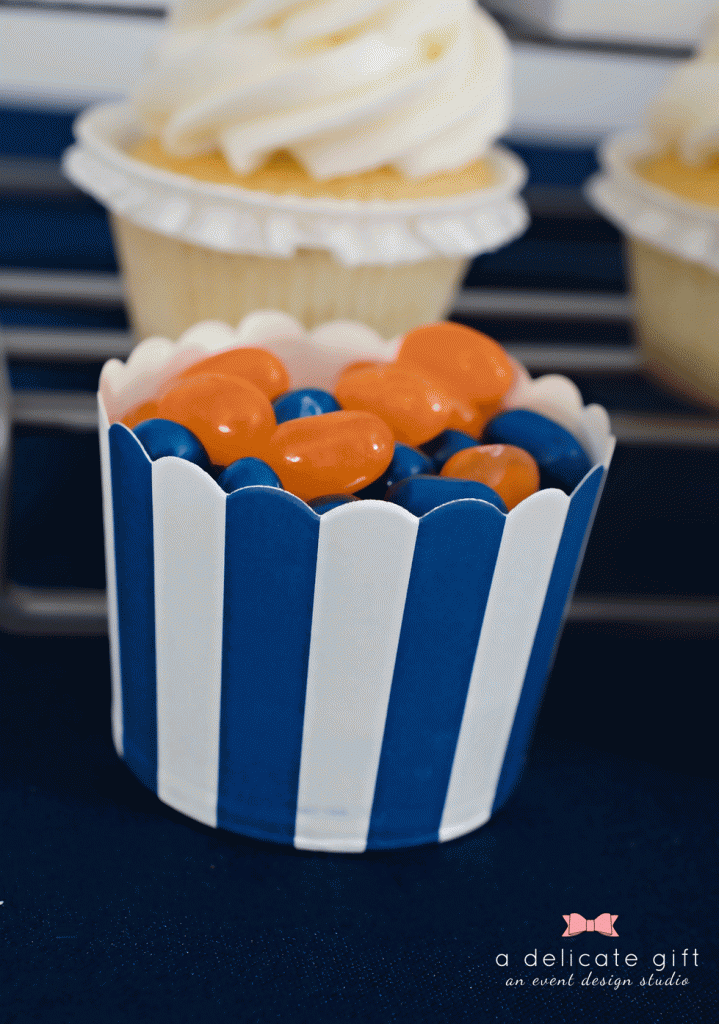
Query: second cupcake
(661, 188)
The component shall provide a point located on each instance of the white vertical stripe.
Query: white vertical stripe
(189, 538)
(524, 565)
(110, 577)
(364, 561)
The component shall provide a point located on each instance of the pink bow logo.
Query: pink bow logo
(576, 924)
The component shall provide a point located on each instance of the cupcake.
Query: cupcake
(345, 676)
(333, 160)
(661, 188)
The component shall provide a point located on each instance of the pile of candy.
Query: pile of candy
(407, 432)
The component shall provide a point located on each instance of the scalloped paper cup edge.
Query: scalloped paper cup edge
(647, 212)
(234, 220)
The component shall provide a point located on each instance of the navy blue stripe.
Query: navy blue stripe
(270, 560)
(452, 570)
(135, 566)
(561, 585)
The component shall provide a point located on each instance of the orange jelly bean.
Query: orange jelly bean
(415, 407)
(509, 471)
(465, 362)
(230, 416)
(261, 368)
(144, 411)
(335, 453)
(470, 419)
(362, 364)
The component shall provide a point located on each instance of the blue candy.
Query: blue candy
(246, 473)
(441, 448)
(293, 405)
(160, 438)
(405, 462)
(561, 459)
(420, 494)
(330, 501)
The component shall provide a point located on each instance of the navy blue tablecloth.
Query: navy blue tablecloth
(118, 909)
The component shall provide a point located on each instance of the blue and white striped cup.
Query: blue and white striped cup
(360, 680)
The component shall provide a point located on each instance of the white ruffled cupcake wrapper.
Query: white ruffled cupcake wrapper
(648, 213)
(236, 220)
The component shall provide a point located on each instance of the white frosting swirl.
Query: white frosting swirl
(345, 85)
(686, 114)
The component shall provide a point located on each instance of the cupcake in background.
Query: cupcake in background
(662, 190)
(332, 159)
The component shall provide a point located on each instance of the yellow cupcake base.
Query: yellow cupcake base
(282, 175)
(677, 320)
(171, 285)
(197, 242)
(312, 285)
(697, 184)
(669, 214)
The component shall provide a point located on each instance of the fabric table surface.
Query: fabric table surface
(118, 909)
